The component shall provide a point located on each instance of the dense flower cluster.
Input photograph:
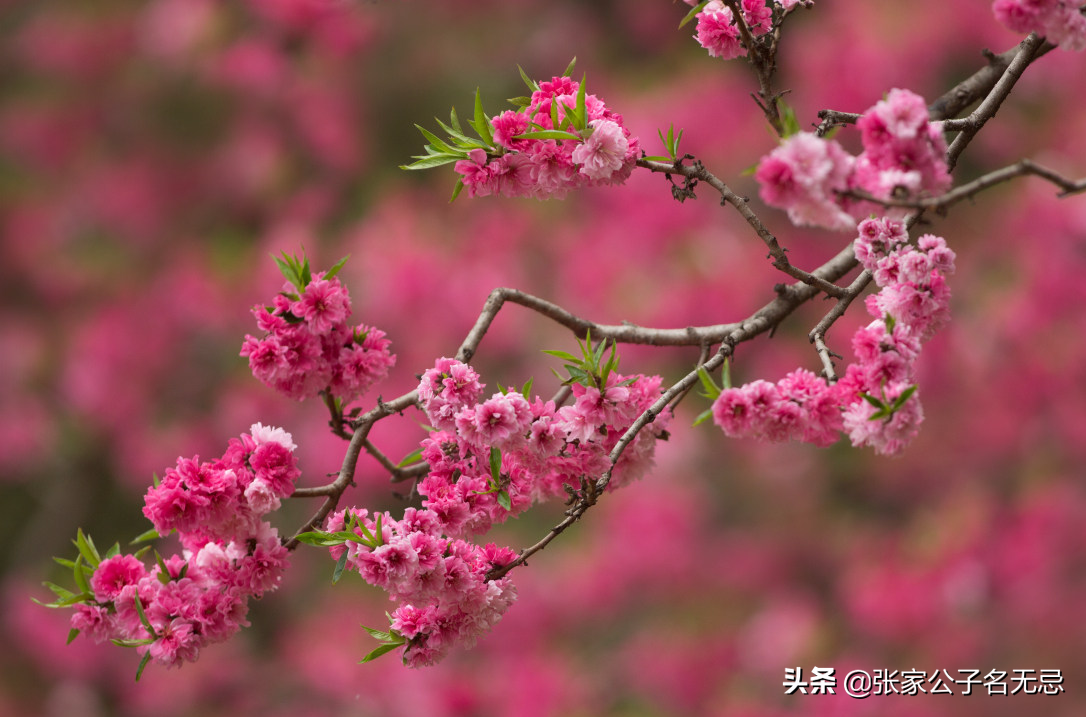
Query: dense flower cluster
(488, 459)
(718, 32)
(903, 156)
(536, 448)
(308, 346)
(1060, 21)
(446, 598)
(875, 402)
(601, 152)
(230, 553)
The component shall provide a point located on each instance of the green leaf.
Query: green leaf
(581, 111)
(113, 551)
(434, 140)
(413, 457)
(503, 500)
(549, 134)
(143, 663)
(533, 86)
(462, 140)
(564, 355)
(656, 158)
(727, 372)
(482, 124)
(132, 643)
(789, 123)
(384, 636)
(905, 396)
(569, 67)
(378, 532)
(143, 617)
(436, 160)
(457, 188)
(520, 101)
(336, 267)
(703, 416)
(749, 171)
(80, 577)
(693, 13)
(454, 120)
(380, 650)
(319, 538)
(62, 593)
(340, 564)
(72, 634)
(711, 389)
(872, 400)
(495, 464)
(143, 537)
(526, 389)
(86, 548)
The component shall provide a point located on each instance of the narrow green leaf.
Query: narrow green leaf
(113, 551)
(143, 617)
(548, 134)
(336, 267)
(457, 188)
(503, 500)
(384, 636)
(380, 650)
(495, 464)
(72, 634)
(337, 573)
(143, 537)
(80, 578)
(436, 160)
(520, 101)
(526, 389)
(582, 110)
(657, 158)
(703, 416)
(143, 663)
(482, 124)
(711, 389)
(533, 86)
(454, 120)
(569, 67)
(62, 593)
(86, 548)
(318, 538)
(564, 355)
(307, 275)
(905, 396)
(726, 372)
(413, 457)
(378, 532)
(438, 143)
(461, 139)
(872, 400)
(693, 13)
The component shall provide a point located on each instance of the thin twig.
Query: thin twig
(780, 259)
(970, 189)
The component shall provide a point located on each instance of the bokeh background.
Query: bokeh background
(153, 154)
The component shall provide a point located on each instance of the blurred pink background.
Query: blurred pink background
(153, 154)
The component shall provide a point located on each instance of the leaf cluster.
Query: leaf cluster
(589, 369)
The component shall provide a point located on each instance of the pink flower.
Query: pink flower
(603, 153)
(323, 305)
(802, 175)
(113, 574)
(717, 33)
